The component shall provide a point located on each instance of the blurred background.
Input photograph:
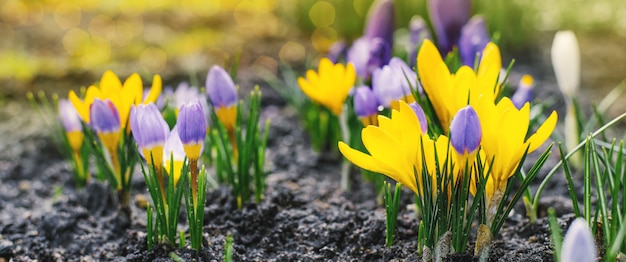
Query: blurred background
(57, 45)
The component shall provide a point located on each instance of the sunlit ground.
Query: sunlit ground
(73, 42)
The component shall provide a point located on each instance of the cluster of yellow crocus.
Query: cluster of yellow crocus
(394, 146)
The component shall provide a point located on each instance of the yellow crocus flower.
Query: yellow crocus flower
(122, 96)
(330, 85)
(395, 148)
(450, 92)
(504, 140)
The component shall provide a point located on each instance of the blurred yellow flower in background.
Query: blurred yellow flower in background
(330, 85)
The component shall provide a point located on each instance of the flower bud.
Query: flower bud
(566, 62)
(381, 21)
(524, 92)
(105, 120)
(448, 17)
(173, 149)
(220, 88)
(474, 38)
(367, 54)
(365, 105)
(150, 131)
(419, 112)
(578, 244)
(465, 131)
(192, 128)
(70, 121)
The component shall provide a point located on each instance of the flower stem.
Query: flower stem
(345, 135)
(193, 165)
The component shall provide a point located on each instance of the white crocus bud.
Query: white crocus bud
(566, 62)
(578, 244)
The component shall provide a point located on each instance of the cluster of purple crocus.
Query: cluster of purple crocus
(391, 78)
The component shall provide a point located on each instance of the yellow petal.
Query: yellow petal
(110, 84)
(543, 132)
(155, 90)
(133, 89)
(79, 105)
(489, 69)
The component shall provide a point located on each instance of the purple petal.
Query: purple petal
(419, 112)
(381, 21)
(524, 92)
(474, 38)
(173, 147)
(191, 123)
(465, 131)
(220, 87)
(578, 244)
(104, 116)
(69, 116)
(365, 103)
(447, 17)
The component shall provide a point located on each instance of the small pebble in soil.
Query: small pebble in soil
(141, 201)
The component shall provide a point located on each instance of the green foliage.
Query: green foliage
(392, 202)
(245, 169)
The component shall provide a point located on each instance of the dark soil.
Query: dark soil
(304, 216)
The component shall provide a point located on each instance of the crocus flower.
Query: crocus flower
(173, 150)
(394, 82)
(121, 96)
(418, 32)
(330, 85)
(505, 139)
(524, 92)
(381, 21)
(474, 38)
(578, 244)
(72, 125)
(394, 148)
(367, 54)
(373, 49)
(365, 105)
(465, 135)
(191, 127)
(448, 17)
(105, 120)
(150, 132)
(565, 55)
(450, 92)
(421, 117)
(223, 95)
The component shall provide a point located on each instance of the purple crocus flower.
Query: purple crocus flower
(381, 21)
(448, 17)
(368, 54)
(419, 112)
(105, 120)
(418, 32)
(365, 105)
(104, 116)
(373, 49)
(474, 38)
(578, 244)
(69, 116)
(70, 120)
(465, 131)
(220, 88)
(192, 128)
(524, 92)
(149, 130)
(394, 82)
